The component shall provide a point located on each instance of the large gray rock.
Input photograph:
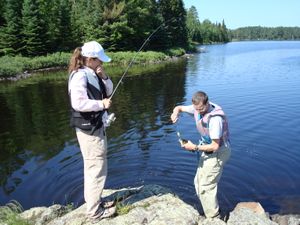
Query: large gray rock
(155, 205)
(286, 219)
(151, 204)
(43, 215)
(249, 213)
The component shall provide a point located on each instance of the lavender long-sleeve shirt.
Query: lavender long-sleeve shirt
(78, 92)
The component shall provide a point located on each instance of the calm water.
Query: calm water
(257, 84)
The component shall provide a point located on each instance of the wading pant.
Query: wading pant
(93, 149)
(208, 174)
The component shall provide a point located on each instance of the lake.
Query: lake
(256, 83)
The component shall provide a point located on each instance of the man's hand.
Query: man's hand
(174, 116)
(189, 146)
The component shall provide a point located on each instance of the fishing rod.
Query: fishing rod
(140, 49)
(111, 117)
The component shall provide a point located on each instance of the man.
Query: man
(214, 144)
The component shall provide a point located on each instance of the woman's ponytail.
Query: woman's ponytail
(76, 61)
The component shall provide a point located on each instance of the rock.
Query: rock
(151, 204)
(154, 205)
(286, 219)
(42, 215)
(249, 213)
(204, 221)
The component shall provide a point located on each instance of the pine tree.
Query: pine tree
(174, 15)
(65, 38)
(35, 40)
(2, 10)
(10, 34)
(193, 25)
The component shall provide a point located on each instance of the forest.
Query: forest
(30, 28)
(39, 27)
(265, 33)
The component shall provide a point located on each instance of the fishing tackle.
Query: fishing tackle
(140, 49)
(181, 141)
(111, 117)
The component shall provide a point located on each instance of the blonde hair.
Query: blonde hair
(77, 61)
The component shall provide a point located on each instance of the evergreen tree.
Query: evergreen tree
(174, 15)
(65, 39)
(193, 25)
(224, 32)
(34, 29)
(2, 10)
(127, 25)
(143, 19)
(10, 34)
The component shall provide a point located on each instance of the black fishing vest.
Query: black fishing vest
(90, 121)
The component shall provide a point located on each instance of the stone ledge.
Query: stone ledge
(155, 205)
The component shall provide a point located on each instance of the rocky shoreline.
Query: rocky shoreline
(155, 205)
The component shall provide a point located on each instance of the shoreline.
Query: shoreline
(28, 74)
(154, 204)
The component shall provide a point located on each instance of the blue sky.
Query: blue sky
(241, 13)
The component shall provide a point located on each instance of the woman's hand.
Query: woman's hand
(101, 73)
(106, 103)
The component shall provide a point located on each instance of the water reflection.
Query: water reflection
(39, 148)
(257, 84)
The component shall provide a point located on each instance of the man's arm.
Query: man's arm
(180, 108)
(212, 147)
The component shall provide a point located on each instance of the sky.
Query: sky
(242, 13)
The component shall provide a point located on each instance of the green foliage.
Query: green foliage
(34, 28)
(12, 66)
(10, 34)
(53, 60)
(124, 58)
(266, 33)
(41, 27)
(123, 209)
(193, 25)
(175, 52)
(2, 10)
(174, 14)
(9, 214)
(205, 32)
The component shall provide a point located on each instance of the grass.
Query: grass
(13, 66)
(9, 214)
(123, 209)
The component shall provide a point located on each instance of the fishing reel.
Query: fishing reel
(109, 119)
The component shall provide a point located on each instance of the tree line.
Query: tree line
(266, 33)
(205, 32)
(39, 27)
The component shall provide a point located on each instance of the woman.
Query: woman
(89, 89)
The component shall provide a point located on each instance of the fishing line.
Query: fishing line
(140, 49)
(184, 141)
(111, 117)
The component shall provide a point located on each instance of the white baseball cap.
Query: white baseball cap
(94, 50)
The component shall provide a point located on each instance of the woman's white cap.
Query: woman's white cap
(94, 50)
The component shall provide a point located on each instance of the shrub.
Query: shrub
(9, 214)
